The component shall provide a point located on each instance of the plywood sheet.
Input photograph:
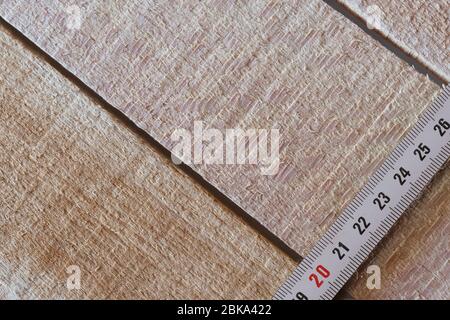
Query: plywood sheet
(79, 188)
(340, 99)
(420, 27)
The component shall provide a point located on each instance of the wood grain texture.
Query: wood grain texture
(420, 27)
(79, 188)
(299, 67)
(340, 99)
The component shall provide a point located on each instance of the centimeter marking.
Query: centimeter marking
(380, 203)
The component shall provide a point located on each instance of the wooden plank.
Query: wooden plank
(80, 188)
(340, 99)
(419, 27)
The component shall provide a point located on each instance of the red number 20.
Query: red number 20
(321, 270)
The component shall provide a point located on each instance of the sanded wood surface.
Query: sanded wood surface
(420, 27)
(339, 98)
(79, 188)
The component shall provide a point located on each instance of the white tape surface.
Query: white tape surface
(369, 216)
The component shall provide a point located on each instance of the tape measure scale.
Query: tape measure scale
(368, 217)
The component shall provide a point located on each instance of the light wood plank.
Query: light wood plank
(79, 188)
(339, 98)
(420, 27)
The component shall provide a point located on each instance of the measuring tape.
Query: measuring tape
(375, 209)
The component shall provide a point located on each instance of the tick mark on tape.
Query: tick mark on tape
(413, 163)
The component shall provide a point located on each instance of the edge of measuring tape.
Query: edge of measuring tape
(389, 192)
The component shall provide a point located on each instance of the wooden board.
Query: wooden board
(79, 188)
(420, 27)
(339, 98)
